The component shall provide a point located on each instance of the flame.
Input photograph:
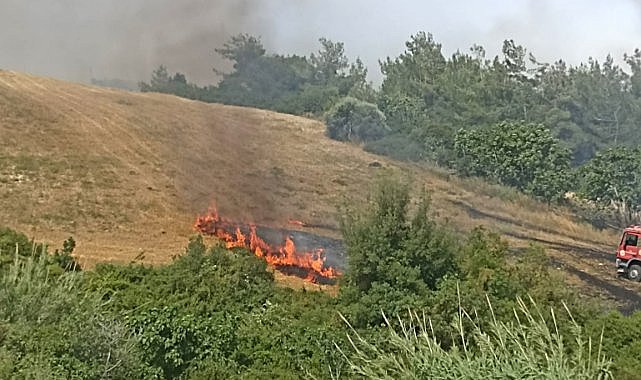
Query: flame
(285, 257)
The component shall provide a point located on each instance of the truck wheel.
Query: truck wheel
(634, 272)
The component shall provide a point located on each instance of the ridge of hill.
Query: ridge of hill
(126, 174)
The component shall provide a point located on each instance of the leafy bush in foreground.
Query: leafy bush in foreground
(52, 329)
(17, 246)
(215, 313)
(395, 257)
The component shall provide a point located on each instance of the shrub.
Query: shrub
(394, 258)
(14, 243)
(52, 328)
(356, 121)
(522, 155)
(313, 99)
(173, 340)
(610, 181)
(618, 341)
(11, 240)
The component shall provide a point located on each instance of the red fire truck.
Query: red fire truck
(628, 256)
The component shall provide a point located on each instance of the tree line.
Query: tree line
(500, 118)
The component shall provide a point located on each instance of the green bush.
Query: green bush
(12, 241)
(619, 342)
(517, 154)
(357, 121)
(172, 340)
(394, 257)
(52, 328)
(215, 312)
(611, 179)
(15, 245)
(313, 99)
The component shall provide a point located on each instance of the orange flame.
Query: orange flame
(281, 257)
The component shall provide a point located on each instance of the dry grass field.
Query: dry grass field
(126, 174)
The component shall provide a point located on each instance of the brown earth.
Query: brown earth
(126, 173)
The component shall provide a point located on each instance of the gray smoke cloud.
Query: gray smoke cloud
(80, 39)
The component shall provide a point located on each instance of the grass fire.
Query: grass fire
(283, 255)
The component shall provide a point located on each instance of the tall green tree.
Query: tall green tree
(242, 50)
(289, 83)
(177, 84)
(330, 61)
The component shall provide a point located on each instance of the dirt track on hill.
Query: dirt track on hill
(127, 173)
(585, 261)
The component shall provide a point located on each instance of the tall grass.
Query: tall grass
(53, 328)
(29, 293)
(527, 347)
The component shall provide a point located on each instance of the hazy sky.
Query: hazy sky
(81, 39)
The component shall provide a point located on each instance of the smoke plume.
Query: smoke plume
(79, 40)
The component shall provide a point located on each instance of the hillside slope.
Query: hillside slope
(126, 174)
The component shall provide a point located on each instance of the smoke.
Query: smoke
(79, 39)
(574, 30)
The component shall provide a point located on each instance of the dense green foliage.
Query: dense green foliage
(399, 259)
(211, 314)
(53, 329)
(293, 84)
(618, 343)
(394, 259)
(17, 247)
(216, 313)
(609, 189)
(525, 156)
(612, 176)
(356, 121)
(589, 106)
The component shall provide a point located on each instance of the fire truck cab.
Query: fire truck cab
(628, 257)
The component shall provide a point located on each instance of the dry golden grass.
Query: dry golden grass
(126, 174)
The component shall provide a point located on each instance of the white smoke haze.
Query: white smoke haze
(79, 39)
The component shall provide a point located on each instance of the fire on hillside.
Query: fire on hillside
(264, 242)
